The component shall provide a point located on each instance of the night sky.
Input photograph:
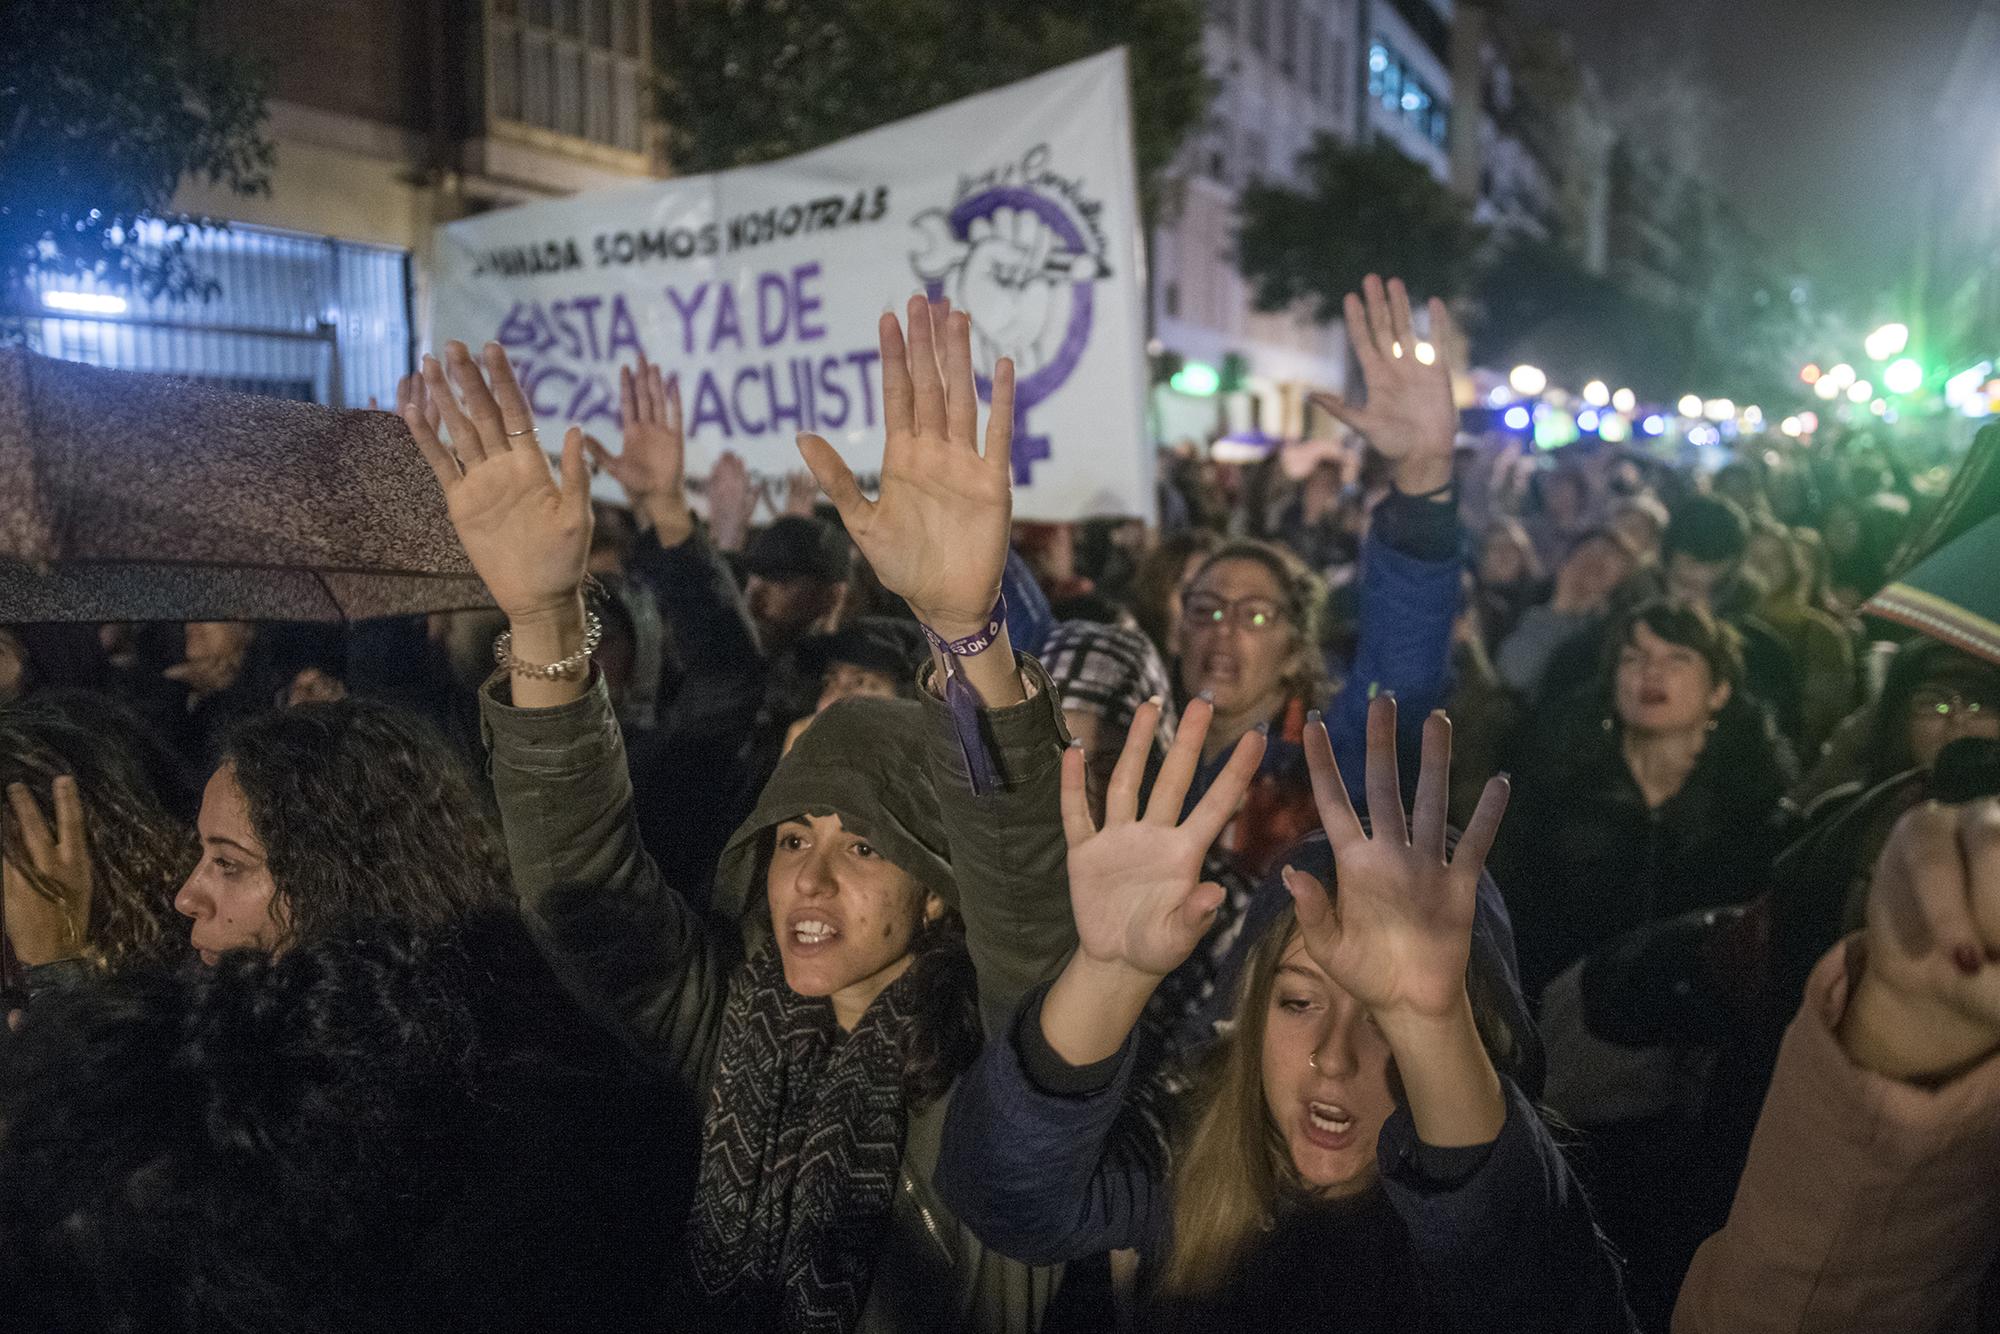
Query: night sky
(1824, 107)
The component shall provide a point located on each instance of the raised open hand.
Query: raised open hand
(801, 492)
(1409, 415)
(1133, 884)
(1928, 1002)
(1397, 935)
(48, 914)
(937, 536)
(652, 466)
(732, 501)
(526, 533)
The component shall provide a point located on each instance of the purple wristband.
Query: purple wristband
(973, 644)
(963, 702)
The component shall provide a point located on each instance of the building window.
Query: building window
(1404, 95)
(297, 316)
(574, 67)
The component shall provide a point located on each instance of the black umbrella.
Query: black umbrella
(131, 497)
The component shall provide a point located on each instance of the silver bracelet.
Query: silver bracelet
(566, 670)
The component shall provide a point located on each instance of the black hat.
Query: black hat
(890, 645)
(798, 547)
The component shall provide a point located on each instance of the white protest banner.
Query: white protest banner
(760, 288)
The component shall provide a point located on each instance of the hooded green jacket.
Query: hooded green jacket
(893, 771)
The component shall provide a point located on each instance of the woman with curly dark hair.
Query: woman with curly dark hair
(328, 815)
(72, 760)
(380, 1105)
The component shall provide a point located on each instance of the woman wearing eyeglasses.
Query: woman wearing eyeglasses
(1249, 634)
(1249, 630)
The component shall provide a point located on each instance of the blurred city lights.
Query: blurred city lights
(85, 303)
(1965, 384)
(1612, 428)
(1842, 375)
(1790, 426)
(1597, 393)
(1879, 407)
(1586, 420)
(1904, 376)
(1527, 380)
(1811, 373)
(1808, 422)
(1195, 378)
(1625, 400)
(1500, 397)
(1554, 428)
(1690, 405)
(1717, 410)
(1654, 424)
(1828, 388)
(1886, 341)
(1860, 391)
(1517, 418)
(1753, 416)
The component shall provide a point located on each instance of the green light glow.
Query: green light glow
(1904, 376)
(1195, 378)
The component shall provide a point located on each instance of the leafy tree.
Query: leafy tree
(746, 81)
(1365, 210)
(104, 110)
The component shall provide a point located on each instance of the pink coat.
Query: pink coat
(1868, 1204)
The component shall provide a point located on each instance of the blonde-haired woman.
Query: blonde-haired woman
(1354, 1157)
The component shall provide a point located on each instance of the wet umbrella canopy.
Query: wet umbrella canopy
(136, 497)
(1953, 594)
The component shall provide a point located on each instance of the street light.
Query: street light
(1625, 400)
(1690, 405)
(1886, 341)
(1860, 391)
(1195, 378)
(1527, 380)
(1904, 376)
(1597, 393)
(84, 303)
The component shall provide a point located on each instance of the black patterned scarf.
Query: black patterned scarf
(800, 1152)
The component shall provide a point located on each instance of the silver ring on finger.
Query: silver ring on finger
(525, 430)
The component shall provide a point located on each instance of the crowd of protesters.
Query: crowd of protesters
(1449, 889)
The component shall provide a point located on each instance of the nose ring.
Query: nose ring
(1312, 1059)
